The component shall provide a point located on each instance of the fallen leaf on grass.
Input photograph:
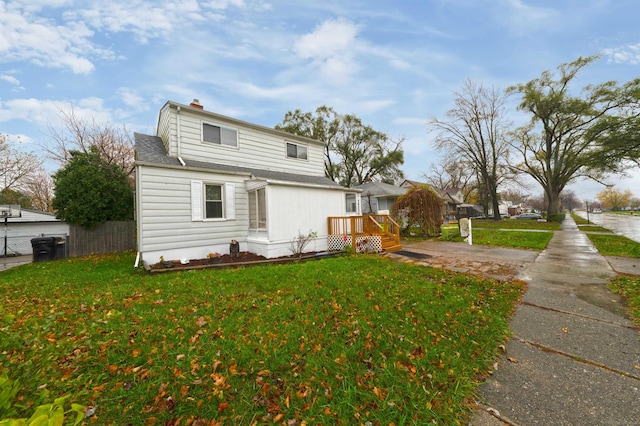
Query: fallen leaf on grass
(565, 330)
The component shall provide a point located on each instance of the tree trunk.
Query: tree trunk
(553, 206)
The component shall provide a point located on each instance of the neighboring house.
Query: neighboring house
(20, 230)
(205, 179)
(378, 197)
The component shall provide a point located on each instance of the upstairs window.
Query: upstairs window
(296, 151)
(219, 135)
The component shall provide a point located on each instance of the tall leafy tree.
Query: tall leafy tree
(354, 153)
(90, 191)
(10, 196)
(614, 199)
(475, 130)
(567, 134)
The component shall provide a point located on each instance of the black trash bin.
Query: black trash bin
(44, 248)
(61, 248)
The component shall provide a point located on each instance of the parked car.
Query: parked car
(596, 211)
(530, 216)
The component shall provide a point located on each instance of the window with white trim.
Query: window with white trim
(258, 209)
(295, 150)
(212, 201)
(220, 135)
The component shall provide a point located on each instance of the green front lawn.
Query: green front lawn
(593, 228)
(487, 233)
(512, 239)
(347, 340)
(514, 224)
(615, 245)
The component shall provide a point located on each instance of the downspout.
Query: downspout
(137, 216)
(179, 136)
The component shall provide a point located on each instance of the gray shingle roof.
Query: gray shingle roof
(150, 149)
(380, 189)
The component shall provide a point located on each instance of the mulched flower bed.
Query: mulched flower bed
(226, 261)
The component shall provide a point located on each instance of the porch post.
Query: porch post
(353, 232)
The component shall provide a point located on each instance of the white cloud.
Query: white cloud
(132, 99)
(224, 4)
(289, 92)
(629, 54)
(26, 37)
(371, 106)
(145, 20)
(522, 18)
(44, 113)
(331, 48)
(10, 79)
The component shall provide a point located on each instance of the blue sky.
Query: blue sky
(393, 64)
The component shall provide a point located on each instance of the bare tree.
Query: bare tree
(15, 166)
(452, 173)
(475, 129)
(38, 186)
(114, 144)
(514, 196)
(569, 199)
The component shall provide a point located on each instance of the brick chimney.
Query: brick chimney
(196, 104)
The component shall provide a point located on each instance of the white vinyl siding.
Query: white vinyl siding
(296, 151)
(295, 210)
(168, 220)
(255, 149)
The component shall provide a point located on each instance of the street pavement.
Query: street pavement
(11, 261)
(574, 356)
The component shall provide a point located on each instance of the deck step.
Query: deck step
(393, 248)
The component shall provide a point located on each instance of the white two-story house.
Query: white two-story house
(205, 179)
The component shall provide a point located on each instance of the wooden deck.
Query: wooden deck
(355, 230)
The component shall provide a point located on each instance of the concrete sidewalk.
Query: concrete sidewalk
(574, 358)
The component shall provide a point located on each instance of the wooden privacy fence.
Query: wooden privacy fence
(110, 237)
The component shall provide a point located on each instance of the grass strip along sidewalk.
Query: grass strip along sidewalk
(348, 340)
(524, 234)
